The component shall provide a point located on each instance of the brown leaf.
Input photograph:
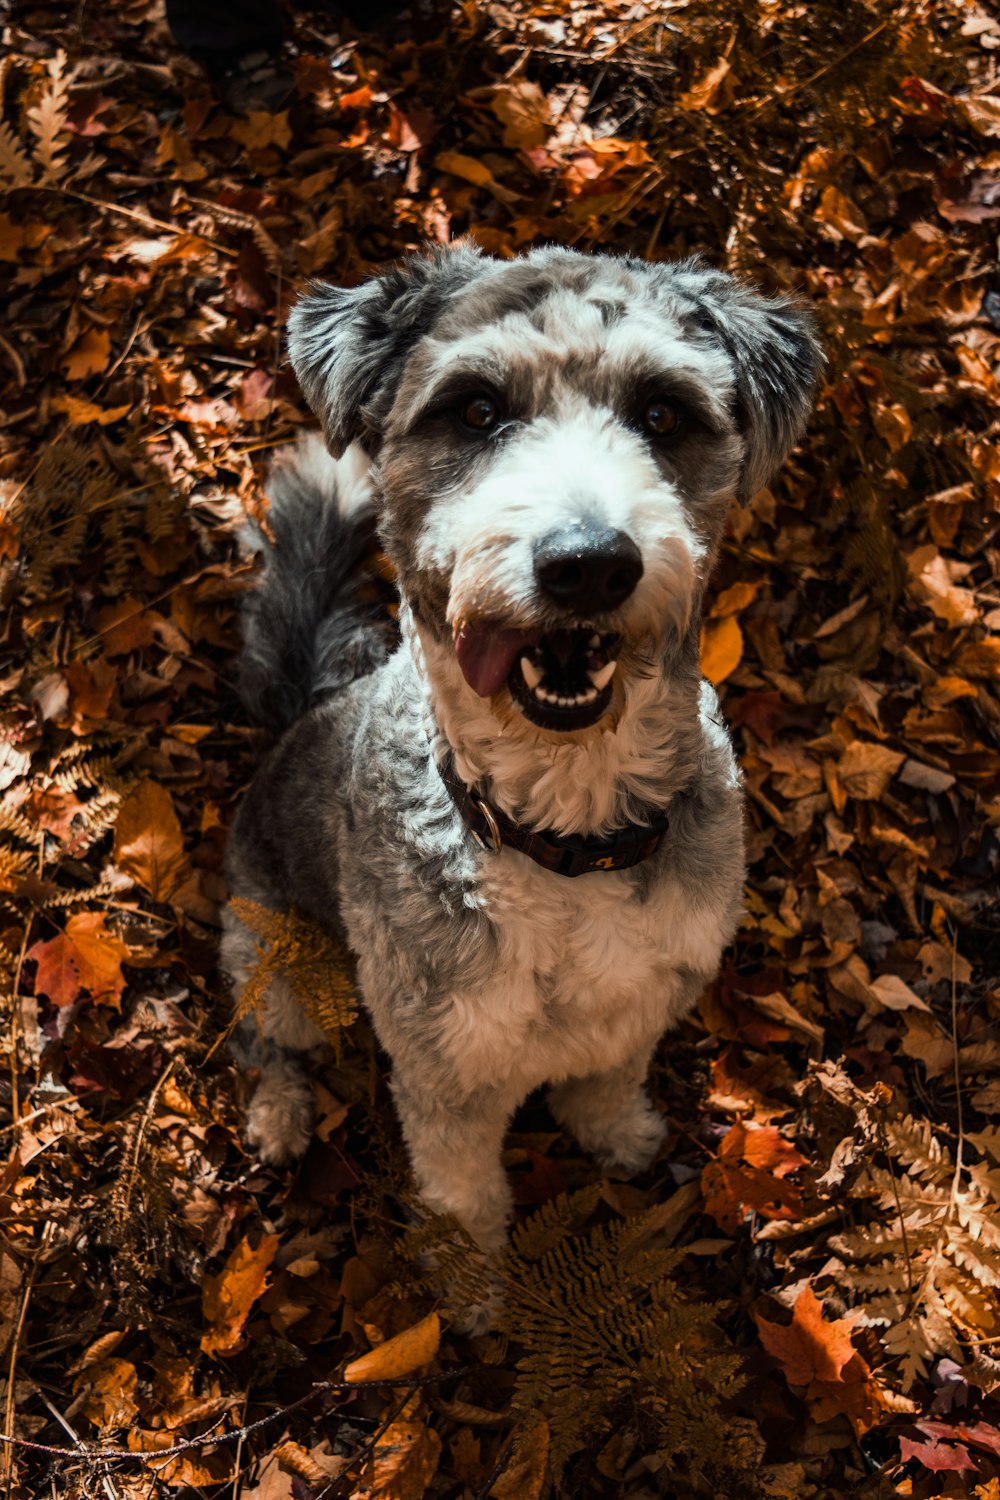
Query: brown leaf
(865, 770)
(713, 91)
(82, 412)
(524, 1476)
(148, 843)
(110, 1386)
(523, 110)
(228, 1297)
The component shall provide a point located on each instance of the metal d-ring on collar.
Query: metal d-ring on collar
(496, 837)
(563, 854)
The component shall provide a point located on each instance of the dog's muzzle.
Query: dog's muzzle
(560, 679)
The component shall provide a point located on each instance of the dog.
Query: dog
(526, 819)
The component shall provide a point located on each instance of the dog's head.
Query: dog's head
(557, 440)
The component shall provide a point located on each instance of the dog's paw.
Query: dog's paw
(632, 1143)
(280, 1116)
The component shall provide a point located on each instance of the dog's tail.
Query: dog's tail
(316, 620)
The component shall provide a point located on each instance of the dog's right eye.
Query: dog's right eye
(481, 413)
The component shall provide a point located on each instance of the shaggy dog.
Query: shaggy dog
(548, 447)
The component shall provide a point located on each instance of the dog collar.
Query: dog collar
(564, 854)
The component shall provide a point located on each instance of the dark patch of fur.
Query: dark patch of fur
(307, 631)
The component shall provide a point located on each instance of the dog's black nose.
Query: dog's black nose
(587, 570)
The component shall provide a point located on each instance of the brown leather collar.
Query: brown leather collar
(564, 854)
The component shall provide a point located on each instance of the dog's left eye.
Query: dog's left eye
(660, 418)
(481, 413)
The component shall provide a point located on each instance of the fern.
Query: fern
(603, 1329)
(47, 120)
(15, 166)
(316, 965)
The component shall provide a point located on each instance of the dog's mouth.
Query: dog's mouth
(559, 679)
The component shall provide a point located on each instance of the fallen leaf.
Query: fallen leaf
(895, 994)
(404, 1462)
(228, 1297)
(87, 956)
(148, 843)
(89, 355)
(721, 648)
(865, 770)
(80, 413)
(401, 1355)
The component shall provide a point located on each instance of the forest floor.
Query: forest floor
(800, 1297)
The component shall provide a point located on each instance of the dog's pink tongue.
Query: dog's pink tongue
(486, 656)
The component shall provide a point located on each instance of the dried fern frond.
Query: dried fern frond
(603, 1328)
(316, 965)
(47, 120)
(15, 166)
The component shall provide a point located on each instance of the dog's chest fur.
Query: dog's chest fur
(589, 973)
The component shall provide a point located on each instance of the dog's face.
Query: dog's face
(557, 441)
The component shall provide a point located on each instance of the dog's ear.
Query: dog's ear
(348, 347)
(776, 356)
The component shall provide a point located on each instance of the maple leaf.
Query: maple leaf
(816, 1353)
(405, 1459)
(809, 1348)
(936, 1456)
(86, 956)
(748, 1173)
(228, 1297)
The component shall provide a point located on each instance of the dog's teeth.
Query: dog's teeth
(603, 676)
(566, 702)
(532, 675)
(545, 696)
(588, 696)
(595, 641)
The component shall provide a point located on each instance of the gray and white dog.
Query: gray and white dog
(548, 447)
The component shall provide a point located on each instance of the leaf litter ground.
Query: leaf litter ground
(800, 1298)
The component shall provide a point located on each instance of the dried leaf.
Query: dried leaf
(228, 1297)
(86, 956)
(401, 1355)
(148, 842)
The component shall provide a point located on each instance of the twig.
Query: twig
(7, 1436)
(780, 95)
(15, 1028)
(130, 213)
(362, 1457)
(503, 1460)
(124, 1195)
(217, 1439)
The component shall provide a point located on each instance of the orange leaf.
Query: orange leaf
(87, 956)
(809, 1348)
(400, 1355)
(148, 844)
(748, 1174)
(82, 412)
(228, 1297)
(721, 648)
(404, 1462)
(817, 1354)
(89, 355)
(109, 1386)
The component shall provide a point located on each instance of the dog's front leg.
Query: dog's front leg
(455, 1149)
(611, 1115)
